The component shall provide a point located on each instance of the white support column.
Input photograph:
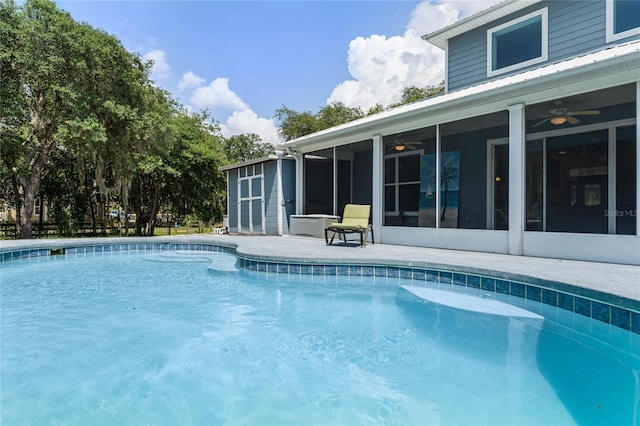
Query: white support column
(638, 168)
(334, 184)
(279, 194)
(263, 202)
(239, 211)
(517, 172)
(377, 212)
(611, 180)
(299, 157)
(438, 171)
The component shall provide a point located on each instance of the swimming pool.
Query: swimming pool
(124, 336)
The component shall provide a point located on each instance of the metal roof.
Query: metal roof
(251, 162)
(603, 63)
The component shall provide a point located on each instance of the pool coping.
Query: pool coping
(610, 308)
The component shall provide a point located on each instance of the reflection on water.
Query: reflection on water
(598, 383)
(595, 380)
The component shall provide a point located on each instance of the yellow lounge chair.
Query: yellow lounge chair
(355, 219)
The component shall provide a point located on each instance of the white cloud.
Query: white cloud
(242, 119)
(189, 81)
(247, 121)
(160, 68)
(382, 66)
(217, 95)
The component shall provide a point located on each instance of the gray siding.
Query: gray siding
(575, 27)
(232, 195)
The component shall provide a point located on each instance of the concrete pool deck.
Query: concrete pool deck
(614, 279)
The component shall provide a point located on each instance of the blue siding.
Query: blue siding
(271, 205)
(575, 27)
(232, 195)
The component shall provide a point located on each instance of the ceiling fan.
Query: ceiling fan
(400, 145)
(560, 115)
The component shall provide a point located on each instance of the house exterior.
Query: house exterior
(532, 149)
(261, 195)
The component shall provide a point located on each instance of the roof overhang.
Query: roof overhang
(270, 157)
(610, 67)
(439, 38)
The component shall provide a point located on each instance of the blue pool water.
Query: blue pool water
(186, 338)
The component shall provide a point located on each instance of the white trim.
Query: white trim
(544, 53)
(590, 247)
(610, 35)
(446, 66)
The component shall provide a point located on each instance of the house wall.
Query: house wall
(575, 27)
(271, 201)
(232, 200)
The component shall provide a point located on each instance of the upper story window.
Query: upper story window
(623, 19)
(517, 43)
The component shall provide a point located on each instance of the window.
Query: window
(623, 19)
(409, 167)
(517, 43)
(569, 179)
(402, 182)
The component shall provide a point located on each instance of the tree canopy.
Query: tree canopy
(294, 124)
(84, 127)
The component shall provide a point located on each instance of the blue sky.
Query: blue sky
(242, 60)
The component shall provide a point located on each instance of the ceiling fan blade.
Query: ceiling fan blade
(542, 122)
(588, 112)
(572, 120)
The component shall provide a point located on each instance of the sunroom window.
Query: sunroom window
(623, 19)
(517, 43)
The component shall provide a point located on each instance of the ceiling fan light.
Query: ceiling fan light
(558, 120)
(399, 147)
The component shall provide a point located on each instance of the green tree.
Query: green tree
(337, 113)
(154, 140)
(293, 124)
(39, 44)
(198, 190)
(412, 94)
(67, 87)
(240, 148)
